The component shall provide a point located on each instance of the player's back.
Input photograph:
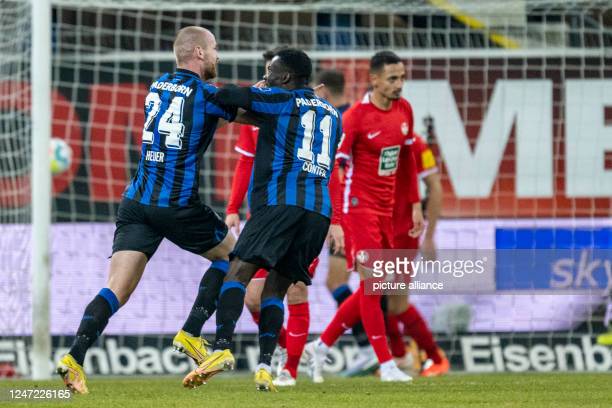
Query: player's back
(298, 138)
(180, 120)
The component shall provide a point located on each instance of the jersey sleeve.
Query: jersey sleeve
(247, 140)
(349, 134)
(412, 183)
(266, 101)
(240, 183)
(214, 108)
(409, 122)
(425, 160)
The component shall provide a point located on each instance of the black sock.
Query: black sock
(270, 323)
(231, 302)
(94, 320)
(206, 301)
(341, 293)
(360, 335)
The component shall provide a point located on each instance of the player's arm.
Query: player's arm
(258, 101)
(348, 129)
(428, 172)
(434, 208)
(245, 146)
(418, 223)
(336, 233)
(243, 117)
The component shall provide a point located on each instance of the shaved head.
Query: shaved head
(195, 45)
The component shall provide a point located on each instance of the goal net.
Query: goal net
(521, 101)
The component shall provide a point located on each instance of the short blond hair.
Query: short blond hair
(186, 40)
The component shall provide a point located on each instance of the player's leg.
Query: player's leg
(252, 300)
(125, 272)
(299, 265)
(416, 327)
(205, 303)
(252, 297)
(134, 243)
(270, 324)
(198, 229)
(337, 283)
(297, 332)
(265, 238)
(230, 305)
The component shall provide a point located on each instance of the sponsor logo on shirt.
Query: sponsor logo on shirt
(387, 163)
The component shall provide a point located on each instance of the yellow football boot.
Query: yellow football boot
(73, 375)
(605, 339)
(263, 381)
(193, 347)
(214, 364)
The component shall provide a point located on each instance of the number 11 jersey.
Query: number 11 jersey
(298, 137)
(181, 117)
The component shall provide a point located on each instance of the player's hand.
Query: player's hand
(260, 84)
(335, 238)
(418, 223)
(428, 248)
(233, 221)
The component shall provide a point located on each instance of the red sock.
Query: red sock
(347, 315)
(396, 340)
(415, 327)
(282, 337)
(255, 316)
(297, 335)
(373, 322)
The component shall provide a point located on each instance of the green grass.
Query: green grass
(490, 390)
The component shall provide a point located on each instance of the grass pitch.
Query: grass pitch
(490, 390)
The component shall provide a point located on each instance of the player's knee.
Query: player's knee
(252, 298)
(222, 250)
(252, 303)
(241, 272)
(297, 293)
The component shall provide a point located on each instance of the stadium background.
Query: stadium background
(533, 78)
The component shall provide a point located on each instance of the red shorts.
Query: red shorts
(366, 231)
(263, 273)
(405, 241)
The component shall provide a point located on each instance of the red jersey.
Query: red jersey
(372, 141)
(425, 165)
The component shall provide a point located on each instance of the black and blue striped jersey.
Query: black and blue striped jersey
(298, 138)
(181, 117)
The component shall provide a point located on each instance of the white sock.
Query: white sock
(388, 365)
(264, 366)
(322, 347)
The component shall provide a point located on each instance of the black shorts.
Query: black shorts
(284, 238)
(195, 228)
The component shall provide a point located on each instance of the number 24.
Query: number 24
(170, 124)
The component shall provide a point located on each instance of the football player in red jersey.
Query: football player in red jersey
(292, 339)
(398, 308)
(376, 129)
